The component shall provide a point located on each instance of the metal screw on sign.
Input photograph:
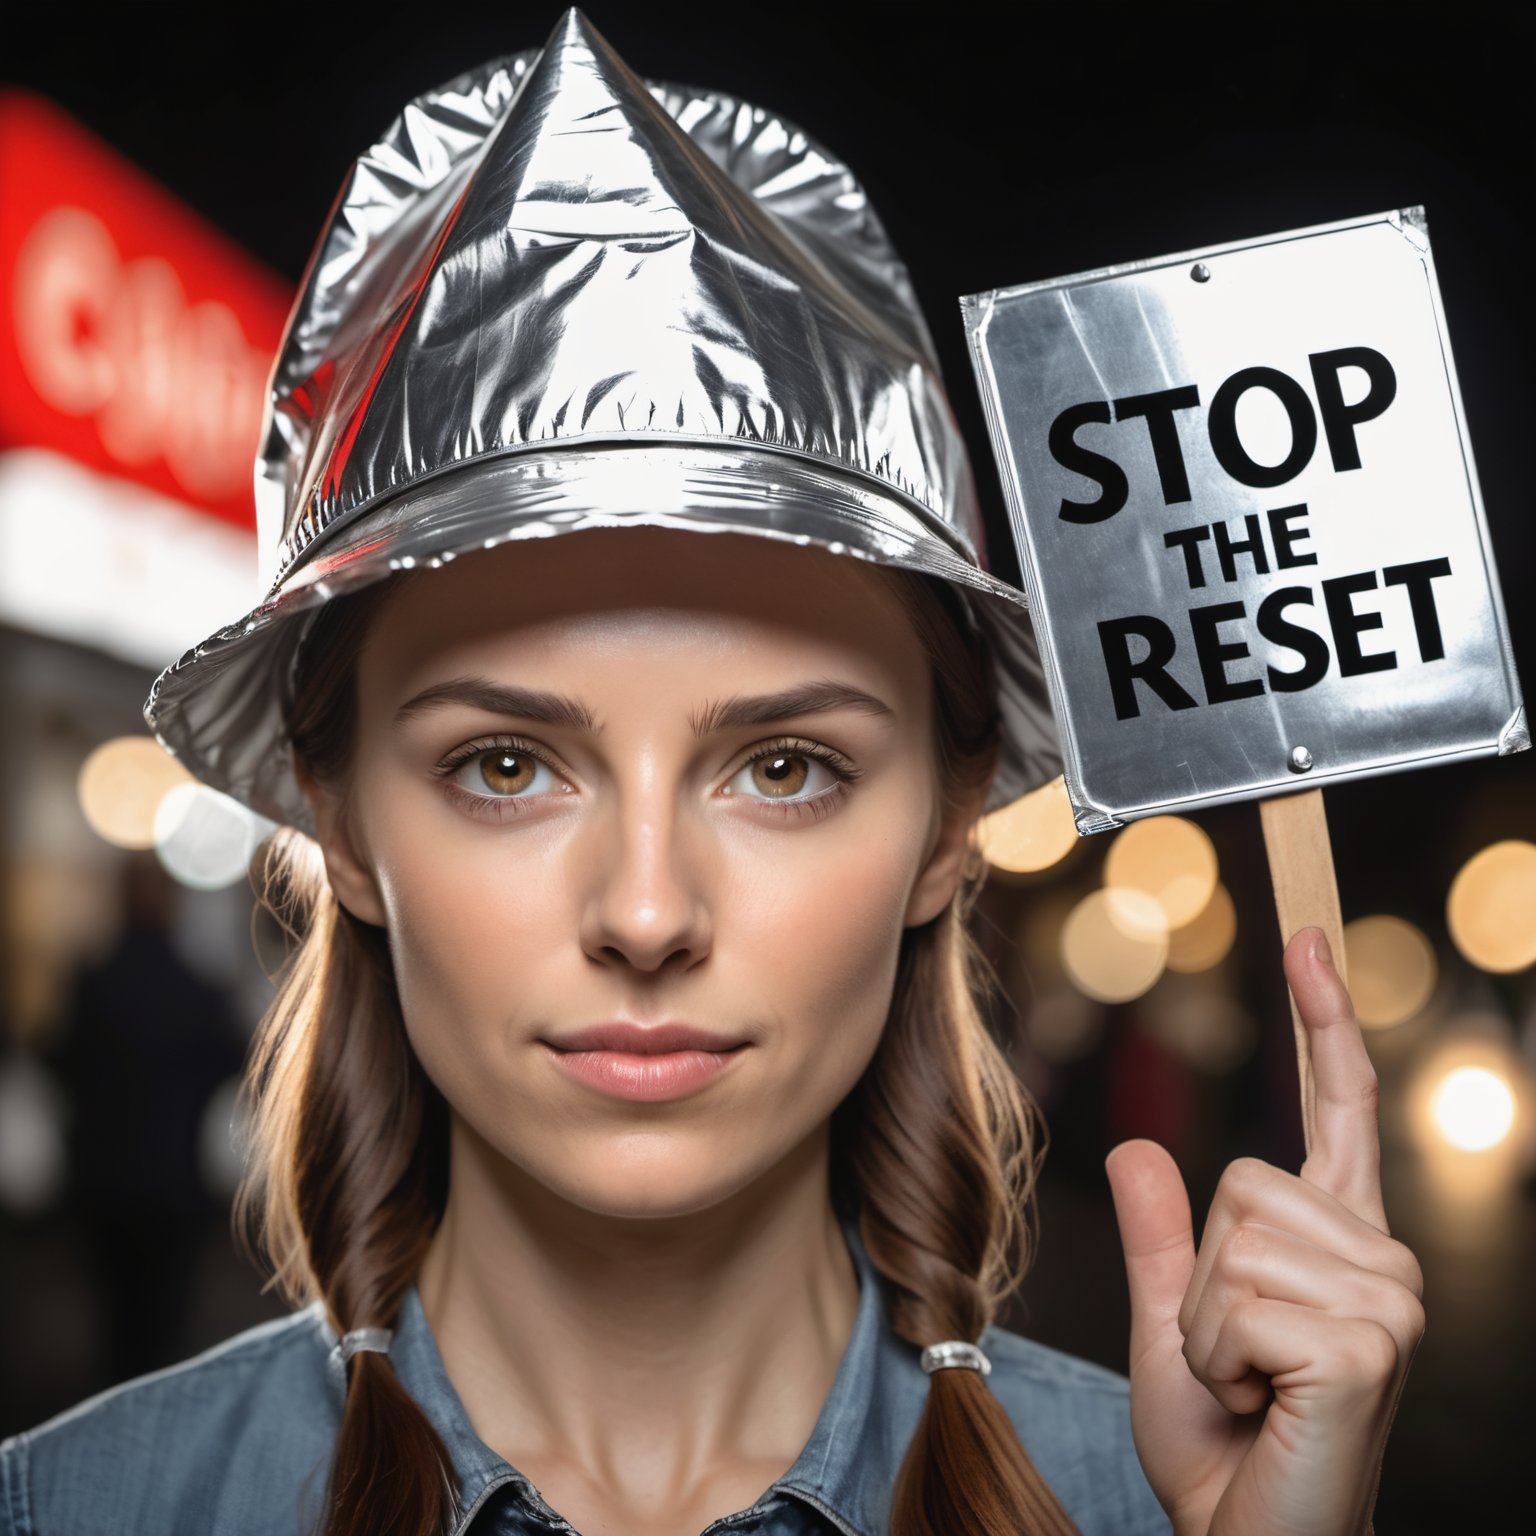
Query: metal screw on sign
(1200, 272)
(1300, 760)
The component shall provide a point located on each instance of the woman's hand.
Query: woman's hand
(1266, 1369)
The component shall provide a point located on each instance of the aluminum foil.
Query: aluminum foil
(555, 297)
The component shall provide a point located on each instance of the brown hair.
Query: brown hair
(935, 1152)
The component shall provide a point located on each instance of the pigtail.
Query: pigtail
(946, 1173)
(940, 1147)
(345, 1186)
(347, 1174)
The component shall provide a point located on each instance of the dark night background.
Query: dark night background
(1004, 144)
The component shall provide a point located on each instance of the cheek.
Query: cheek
(819, 940)
(471, 932)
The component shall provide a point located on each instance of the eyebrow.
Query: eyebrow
(499, 699)
(814, 698)
(765, 708)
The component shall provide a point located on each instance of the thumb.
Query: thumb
(1157, 1234)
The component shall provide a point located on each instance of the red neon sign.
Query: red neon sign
(135, 338)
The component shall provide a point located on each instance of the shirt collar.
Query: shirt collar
(846, 1470)
(849, 1464)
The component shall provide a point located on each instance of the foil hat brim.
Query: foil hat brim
(222, 705)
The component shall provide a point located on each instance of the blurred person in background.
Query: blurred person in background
(626, 1132)
(144, 1044)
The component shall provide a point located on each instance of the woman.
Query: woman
(625, 1117)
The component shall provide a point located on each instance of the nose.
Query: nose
(646, 905)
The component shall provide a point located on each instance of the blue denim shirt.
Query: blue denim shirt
(239, 1439)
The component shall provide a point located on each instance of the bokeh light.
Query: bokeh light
(1466, 1105)
(121, 785)
(1033, 833)
(204, 838)
(1169, 858)
(1391, 967)
(1491, 908)
(1473, 1108)
(33, 1155)
(1207, 938)
(1114, 944)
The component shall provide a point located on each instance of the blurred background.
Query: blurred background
(163, 171)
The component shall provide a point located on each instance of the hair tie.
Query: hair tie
(955, 1353)
(375, 1339)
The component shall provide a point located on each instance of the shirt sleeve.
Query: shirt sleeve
(1124, 1503)
(1073, 1418)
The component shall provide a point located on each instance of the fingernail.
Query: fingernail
(1320, 949)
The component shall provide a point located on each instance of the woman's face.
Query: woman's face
(645, 776)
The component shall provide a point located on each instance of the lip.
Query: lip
(643, 1039)
(645, 1063)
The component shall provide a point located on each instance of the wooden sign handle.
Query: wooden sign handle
(1306, 894)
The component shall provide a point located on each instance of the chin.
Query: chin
(649, 1177)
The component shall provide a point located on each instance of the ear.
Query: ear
(350, 875)
(950, 849)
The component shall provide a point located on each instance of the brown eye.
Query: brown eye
(781, 773)
(794, 778)
(506, 773)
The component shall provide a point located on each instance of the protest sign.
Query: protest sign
(1250, 530)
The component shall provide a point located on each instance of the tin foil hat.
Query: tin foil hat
(556, 297)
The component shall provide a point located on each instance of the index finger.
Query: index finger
(1346, 1152)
